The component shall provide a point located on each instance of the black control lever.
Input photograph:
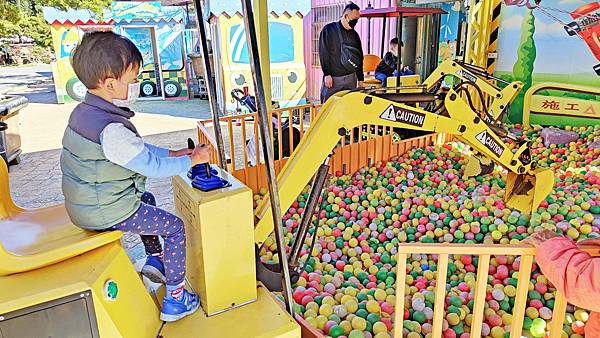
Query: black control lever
(192, 146)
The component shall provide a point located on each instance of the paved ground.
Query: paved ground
(10, 77)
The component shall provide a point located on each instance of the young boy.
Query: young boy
(105, 164)
(573, 271)
(387, 66)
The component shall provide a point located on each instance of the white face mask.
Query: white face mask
(133, 92)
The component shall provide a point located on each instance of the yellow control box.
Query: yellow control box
(220, 242)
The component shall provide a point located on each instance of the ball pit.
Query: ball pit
(348, 287)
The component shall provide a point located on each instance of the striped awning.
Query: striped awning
(75, 17)
(230, 8)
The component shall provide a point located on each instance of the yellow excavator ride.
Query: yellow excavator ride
(428, 107)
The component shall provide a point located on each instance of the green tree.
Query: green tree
(9, 19)
(25, 17)
(523, 68)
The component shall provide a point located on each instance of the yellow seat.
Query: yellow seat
(370, 63)
(34, 238)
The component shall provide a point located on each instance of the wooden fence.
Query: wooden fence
(363, 146)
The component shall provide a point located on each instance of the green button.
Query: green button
(111, 290)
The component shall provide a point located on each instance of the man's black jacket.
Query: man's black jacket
(330, 48)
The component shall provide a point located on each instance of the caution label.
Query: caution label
(466, 75)
(489, 142)
(396, 114)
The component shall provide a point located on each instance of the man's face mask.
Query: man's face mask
(353, 22)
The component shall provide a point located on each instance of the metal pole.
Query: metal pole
(369, 35)
(313, 199)
(211, 86)
(383, 36)
(263, 122)
(400, 42)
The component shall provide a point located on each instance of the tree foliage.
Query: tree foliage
(523, 68)
(25, 17)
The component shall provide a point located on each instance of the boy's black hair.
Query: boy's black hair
(395, 41)
(351, 6)
(101, 55)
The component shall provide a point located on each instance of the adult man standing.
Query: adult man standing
(341, 55)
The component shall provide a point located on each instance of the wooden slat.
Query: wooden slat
(371, 151)
(440, 295)
(395, 150)
(346, 159)
(480, 292)
(301, 124)
(244, 145)
(521, 296)
(558, 315)
(256, 143)
(467, 249)
(279, 134)
(290, 133)
(386, 145)
(400, 290)
(231, 139)
(363, 153)
(378, 149)
(355, 158)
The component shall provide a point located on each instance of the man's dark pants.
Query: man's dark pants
(346, 82)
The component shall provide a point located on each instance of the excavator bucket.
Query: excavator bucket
(478, 165)
(525, 192)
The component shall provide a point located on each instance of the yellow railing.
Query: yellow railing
(485, 252)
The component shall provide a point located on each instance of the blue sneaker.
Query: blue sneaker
(154, 269)
(174, 309)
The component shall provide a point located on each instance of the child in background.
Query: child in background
(387, 66)
(573, 272)
(105, 163)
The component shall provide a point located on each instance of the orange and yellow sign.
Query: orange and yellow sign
(555, 105)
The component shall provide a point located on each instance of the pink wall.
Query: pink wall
(314, 75)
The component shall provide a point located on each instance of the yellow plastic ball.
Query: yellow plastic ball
(373, 306)
(497, 332)
(359, 323)
(379, 327)
(325, 310)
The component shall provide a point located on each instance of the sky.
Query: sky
(557, 52)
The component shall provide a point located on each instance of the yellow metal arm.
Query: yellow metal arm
(501, 98)
(348, 110)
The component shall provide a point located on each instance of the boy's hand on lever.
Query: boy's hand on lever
(180, 152)
(201, 154)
